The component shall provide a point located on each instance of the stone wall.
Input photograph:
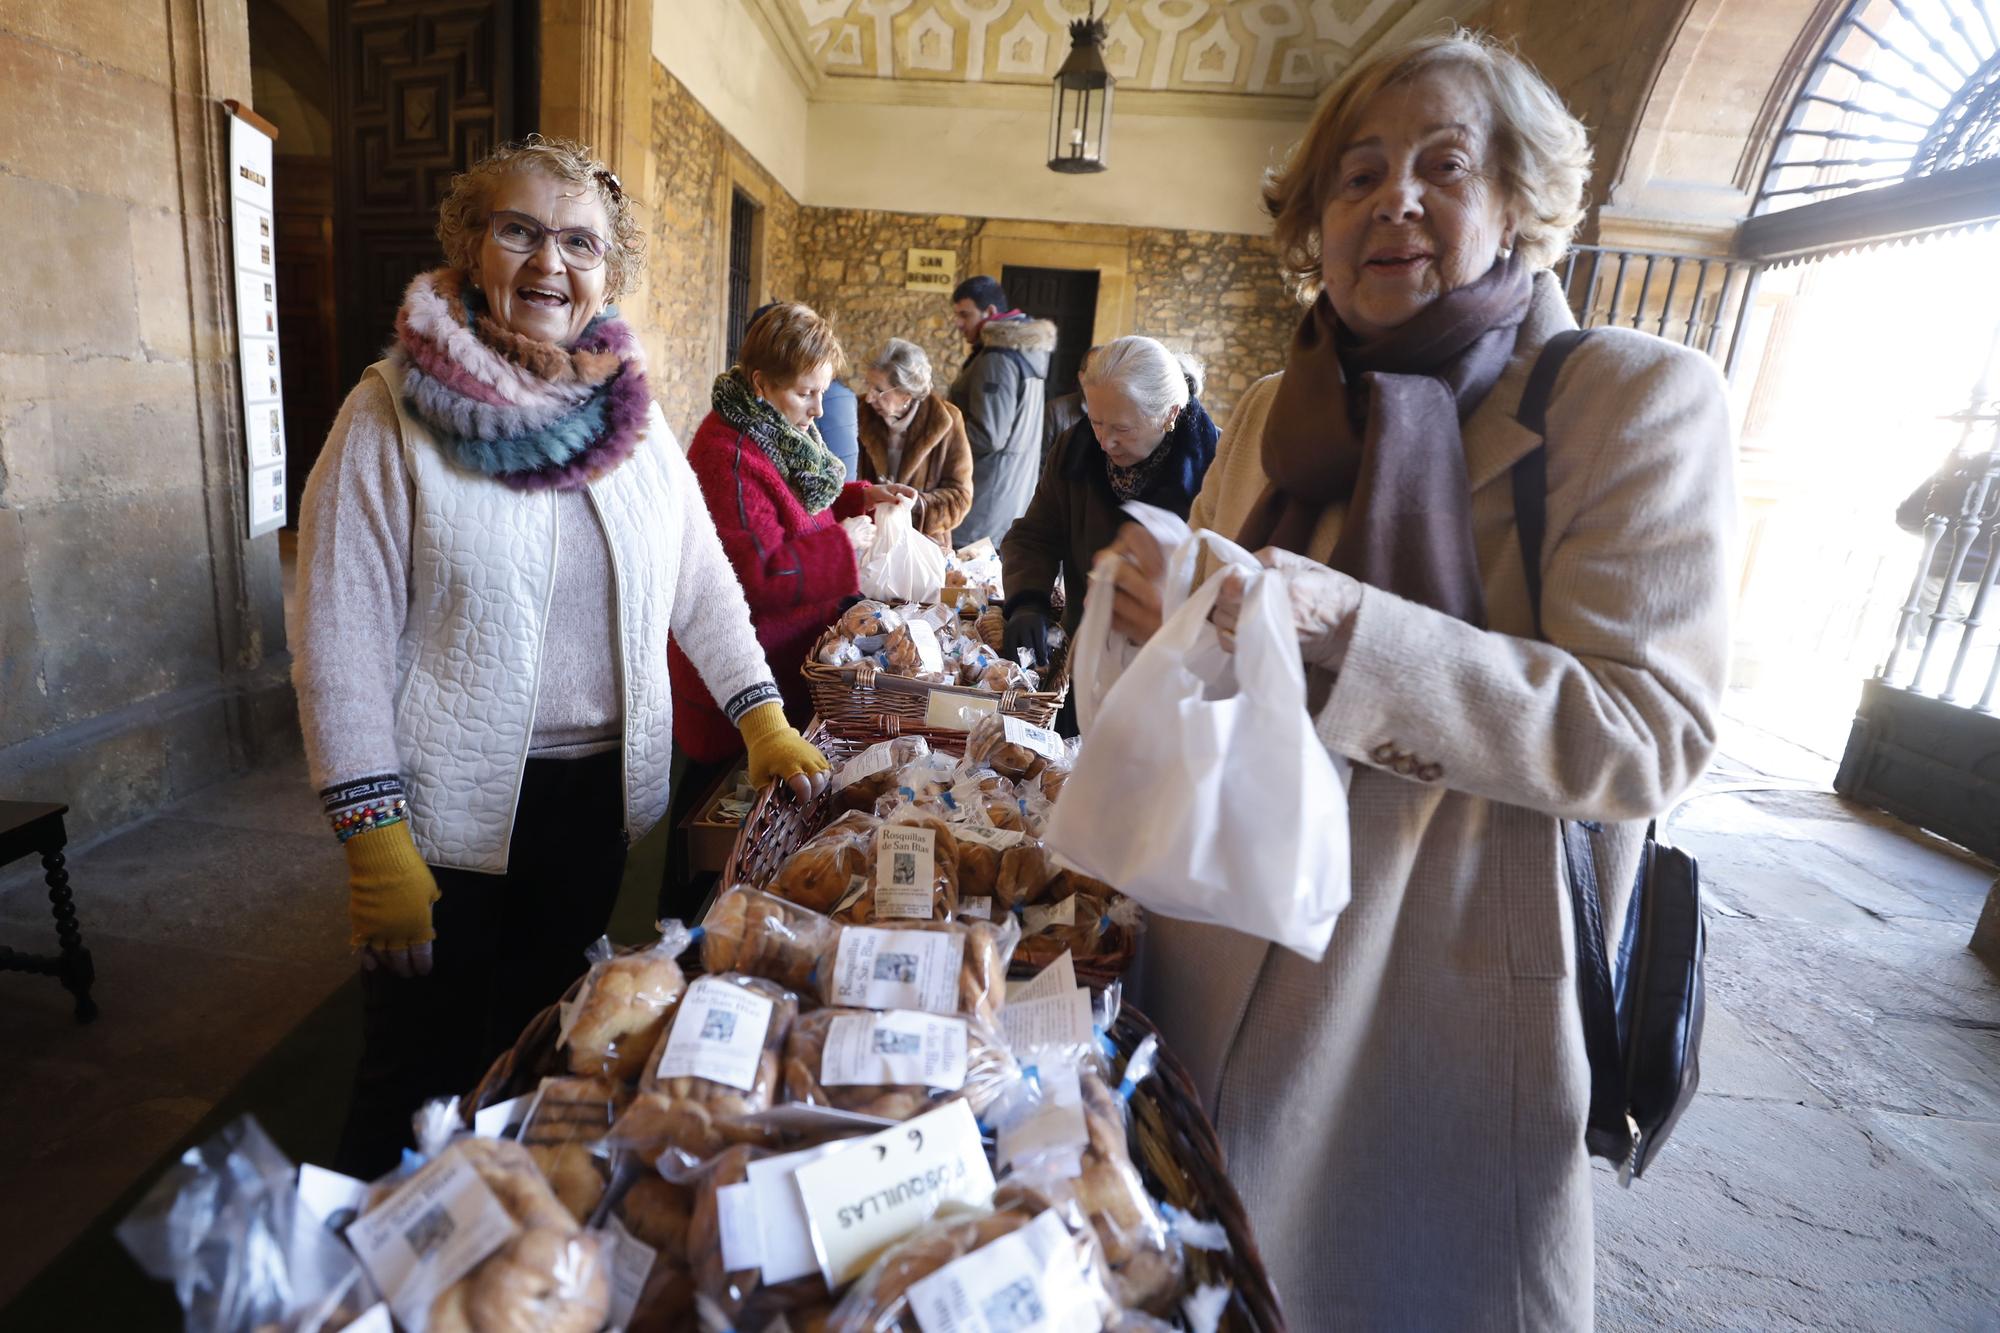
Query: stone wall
(697, 168)
(141, 634)
(1214, 294)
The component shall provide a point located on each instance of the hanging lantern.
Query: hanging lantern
(1080, 108)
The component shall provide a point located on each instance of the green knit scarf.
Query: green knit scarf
(809, 467)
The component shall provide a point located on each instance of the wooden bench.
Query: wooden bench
(29, 828)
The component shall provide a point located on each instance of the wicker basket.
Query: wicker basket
(1171, 1142)
(779, 825)
(857, 693)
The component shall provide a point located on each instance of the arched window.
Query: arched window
(1895, 131)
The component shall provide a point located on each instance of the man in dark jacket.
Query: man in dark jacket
(1000, 392)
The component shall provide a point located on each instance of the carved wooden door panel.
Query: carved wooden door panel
(422, 89)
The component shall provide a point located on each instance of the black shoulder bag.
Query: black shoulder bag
(1642, 1010)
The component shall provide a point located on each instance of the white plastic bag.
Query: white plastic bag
(1203, 791)
(902, 565)
(1099, 656)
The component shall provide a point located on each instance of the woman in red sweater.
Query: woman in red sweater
(777, 495)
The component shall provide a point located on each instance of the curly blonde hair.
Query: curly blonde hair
(1543, 151)
(461, 227)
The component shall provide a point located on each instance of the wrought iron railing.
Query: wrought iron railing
(1696, 300)
(1952, 591)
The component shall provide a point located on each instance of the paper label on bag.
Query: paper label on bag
(898, 1048)
(1028, 1281)
(898, 969)
(923, 637)
(905, 871)
(784, 1236)
(503, 1120)
(375, 1319)
(1041, 740)
(975, 909)
(875, 1191)
(875, 759)
(1058, 978)
(328, 1197)
(631, 1264)
(1055, 1132)
(428, 1235)
(944, 709)
(856, 886)
(736, 1221)
(1036, 919)
(717, 1035)
(1050, 1020)
(999, 839)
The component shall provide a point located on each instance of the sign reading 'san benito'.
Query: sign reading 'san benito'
(932, 271)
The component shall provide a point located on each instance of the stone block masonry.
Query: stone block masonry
(141, 645)
(1217, 295)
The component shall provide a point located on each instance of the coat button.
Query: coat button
(1384, 754)
(1406, 764)
(1430, 772)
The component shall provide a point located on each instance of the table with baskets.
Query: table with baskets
(1170, 1140)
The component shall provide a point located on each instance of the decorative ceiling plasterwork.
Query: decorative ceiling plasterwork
(1259, 48)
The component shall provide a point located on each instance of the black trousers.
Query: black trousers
(507, 947)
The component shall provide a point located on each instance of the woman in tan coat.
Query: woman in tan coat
(911, 435)
(1405, 1118)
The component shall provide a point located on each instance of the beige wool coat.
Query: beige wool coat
(1405, 1118)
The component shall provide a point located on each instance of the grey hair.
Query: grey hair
(906, 366)
(1157, 379)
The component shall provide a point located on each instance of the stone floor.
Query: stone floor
(1841, 1168)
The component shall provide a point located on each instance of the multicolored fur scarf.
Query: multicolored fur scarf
(532, 414)
(809, 467)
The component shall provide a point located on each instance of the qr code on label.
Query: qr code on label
(898, 1043)
(430, 1231)
(904, 870)
(1014, 1307)
(896, 967)
(720, 1025)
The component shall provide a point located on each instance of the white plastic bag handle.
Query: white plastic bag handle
(1099, 655)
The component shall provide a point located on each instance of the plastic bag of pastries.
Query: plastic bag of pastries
(987, 799)
(552, 1276)
(761, 935)
(717, 1063)
(565, 1133)
(913, 874)
(838, 651)
(1088, 927)
(872, 774)
(819, 874)
(895, 1064)
(913, 649)
(1050, 783)
(1097, 1172)
(1012, 747)
(897, 965)
(1032, 1261)
(616, 1017)
(739, 1295)
(869, 620)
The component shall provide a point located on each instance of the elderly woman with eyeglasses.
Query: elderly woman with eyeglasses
(911, 434)
(495, 544)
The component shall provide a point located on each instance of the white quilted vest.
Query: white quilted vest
(482, 572)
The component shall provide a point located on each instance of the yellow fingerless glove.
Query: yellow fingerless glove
(389, 888)
(776, 748)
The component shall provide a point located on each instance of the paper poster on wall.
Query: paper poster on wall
(253, 234)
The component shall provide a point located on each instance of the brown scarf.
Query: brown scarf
(1392, 452)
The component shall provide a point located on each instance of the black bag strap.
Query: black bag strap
(1606, 1133)
(1531, 474)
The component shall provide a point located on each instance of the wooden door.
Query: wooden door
(422, 90)
(1067, 298)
